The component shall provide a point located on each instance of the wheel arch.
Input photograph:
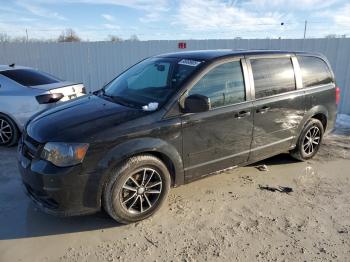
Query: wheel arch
(323, 119)
(167, 161)
(318, 112)
(153, 146)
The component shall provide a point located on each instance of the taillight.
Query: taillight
(49, 98)
(337, 95)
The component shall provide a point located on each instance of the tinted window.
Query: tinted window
(30, 77)
(314, 71)
(224, 85)
(272, 76)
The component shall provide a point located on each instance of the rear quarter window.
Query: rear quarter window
(314, 71)
(30, 77)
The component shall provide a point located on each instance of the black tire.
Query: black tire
(116, 194)
(302, 151)
(9, 133)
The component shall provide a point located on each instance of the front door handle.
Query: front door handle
(263, 110)
(242, 114)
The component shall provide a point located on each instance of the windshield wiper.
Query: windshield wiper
(118, 99)
(124, 102)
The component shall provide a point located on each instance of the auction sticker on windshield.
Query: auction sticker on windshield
(189, 62)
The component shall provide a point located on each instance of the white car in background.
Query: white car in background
(26, 91)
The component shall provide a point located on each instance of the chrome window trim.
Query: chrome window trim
(247, 80)
(297, 73)
(251, 79)
(296, 91)
(323, 86)
(264, 56)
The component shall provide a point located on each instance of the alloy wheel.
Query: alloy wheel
(312, 140)
(6, 131)
(141, 190)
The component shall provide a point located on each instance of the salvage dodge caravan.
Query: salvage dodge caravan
(171, 119)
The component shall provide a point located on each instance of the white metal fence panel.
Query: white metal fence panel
(96, 63)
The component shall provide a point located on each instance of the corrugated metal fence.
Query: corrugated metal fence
(95, 63)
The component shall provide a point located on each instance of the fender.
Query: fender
(319, 109)
(136, 146)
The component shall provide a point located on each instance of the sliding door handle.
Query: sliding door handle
(263, 110)
(242, 114)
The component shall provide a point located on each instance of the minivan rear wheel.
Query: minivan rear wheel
(309, 140)
(8, 131)
(136, 189)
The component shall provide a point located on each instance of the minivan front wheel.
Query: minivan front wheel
(136, 189)
(309, 140)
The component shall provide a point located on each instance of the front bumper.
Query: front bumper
(59, 191)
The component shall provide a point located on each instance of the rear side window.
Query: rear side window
(30, 77)
(224, 85)
(272, 76)
(314, 71)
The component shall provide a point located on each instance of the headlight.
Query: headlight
(64, 154)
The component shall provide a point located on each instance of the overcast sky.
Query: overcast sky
(177, 19)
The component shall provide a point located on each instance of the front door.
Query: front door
(221, 137)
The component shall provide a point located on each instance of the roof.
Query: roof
(7, 67)
(208, 55)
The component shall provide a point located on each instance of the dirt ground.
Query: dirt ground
(226, 217)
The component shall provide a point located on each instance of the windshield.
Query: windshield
(150, 82)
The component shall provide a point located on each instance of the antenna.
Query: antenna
(12, 65)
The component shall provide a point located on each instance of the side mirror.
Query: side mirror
(196, 104)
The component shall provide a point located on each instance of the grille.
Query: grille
(31, 149)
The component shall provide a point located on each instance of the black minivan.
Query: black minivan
(171, 119)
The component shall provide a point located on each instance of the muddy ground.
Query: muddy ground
(226, 217)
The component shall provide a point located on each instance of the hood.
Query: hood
(80, 120)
